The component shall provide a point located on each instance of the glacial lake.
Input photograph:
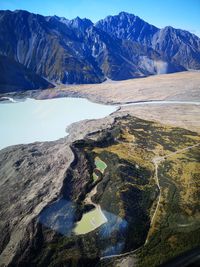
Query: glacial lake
(90, 221)
(45, 120)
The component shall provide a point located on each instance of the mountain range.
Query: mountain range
(39, 52)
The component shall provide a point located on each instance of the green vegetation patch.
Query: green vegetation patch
(101, 165)
(120, 162)
(176, 228)
(95, 177)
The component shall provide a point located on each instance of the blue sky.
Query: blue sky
(182, 14)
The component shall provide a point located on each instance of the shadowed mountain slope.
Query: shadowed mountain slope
(78, 51)
(177, 46)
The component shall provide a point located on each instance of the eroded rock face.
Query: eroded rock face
(35, 176)
(47, 47)
(179, 47)
(44, 187)
(16, 77)
(77, 51)
(30, 177)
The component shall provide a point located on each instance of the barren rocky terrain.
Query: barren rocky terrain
(36, 179)
(78, 51)
(184, 86)
(44, 186)
(177, 86)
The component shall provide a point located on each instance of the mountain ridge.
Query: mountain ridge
(79, 51)
(173, 44)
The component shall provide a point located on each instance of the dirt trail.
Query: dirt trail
(88, 199)
(156, 162)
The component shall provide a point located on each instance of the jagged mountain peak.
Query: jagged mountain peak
(121, 15)
(78, 22)
(124, 13)
(175, 45)
(21, 11)
(127, 26)
(77, 51)
(127, 18)
(170, 29)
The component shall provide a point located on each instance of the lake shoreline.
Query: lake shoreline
(183, 86)
(56, 152)
(38, 95)
(33, 120)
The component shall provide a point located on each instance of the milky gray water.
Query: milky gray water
(44, 120)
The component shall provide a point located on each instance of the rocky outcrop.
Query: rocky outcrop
(47, 47)
(48, 185)
(31, 178)
(78, 51)
(43, 187)
(179, 47)
(127, 26)
(16, 77)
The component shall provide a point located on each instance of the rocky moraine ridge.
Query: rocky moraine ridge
(44, 187)
(41, 51)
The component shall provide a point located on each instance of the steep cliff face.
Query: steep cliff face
(16, 77)
(128, 27)
(50, 200)
(65, 51)
(180, 46)
(46, 46)
(143, 192)
(77, 51)
(176, 46)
